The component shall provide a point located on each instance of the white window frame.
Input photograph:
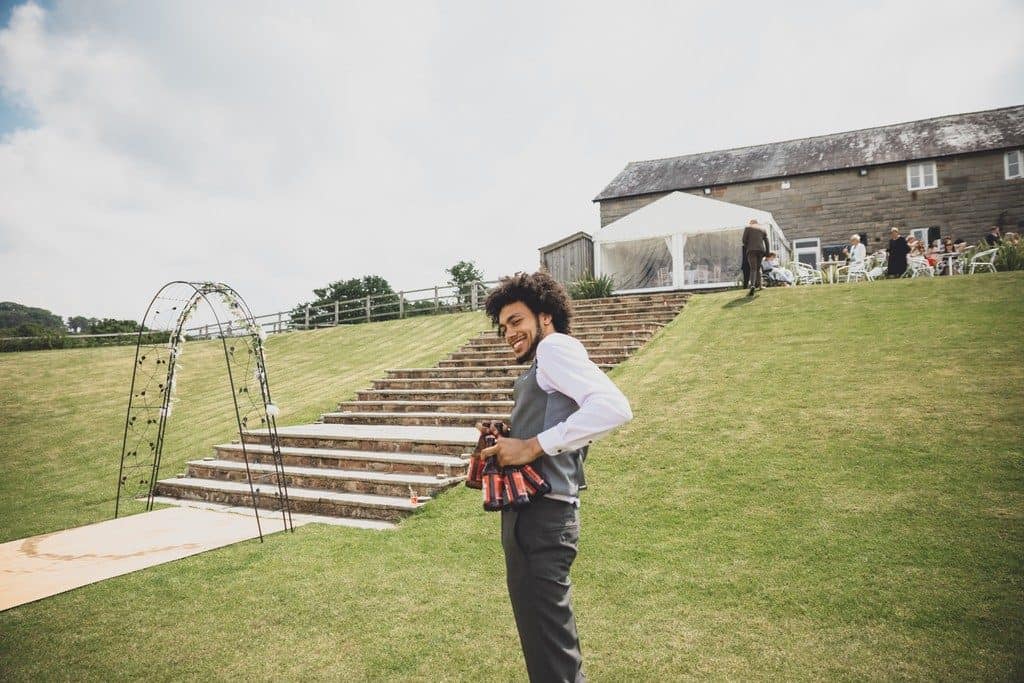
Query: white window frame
(816, 249)
(915, 171)
(921, 234)
(1020, 164)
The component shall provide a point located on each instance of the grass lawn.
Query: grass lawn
(818, 483)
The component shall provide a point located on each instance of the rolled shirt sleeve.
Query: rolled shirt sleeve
(563, 366)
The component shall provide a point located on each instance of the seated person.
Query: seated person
(771, 268)
(856, 252)
(1012, 237)
(946, 248)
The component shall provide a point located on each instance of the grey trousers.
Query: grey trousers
(754, 258)
(540, 543)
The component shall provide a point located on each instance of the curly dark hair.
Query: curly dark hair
(540, 292)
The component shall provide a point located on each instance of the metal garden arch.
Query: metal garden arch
(155, 374)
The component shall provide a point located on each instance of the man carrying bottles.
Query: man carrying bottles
(561, 404)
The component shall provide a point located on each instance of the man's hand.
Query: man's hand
(514, 451)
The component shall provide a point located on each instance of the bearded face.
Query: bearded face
(521, 329)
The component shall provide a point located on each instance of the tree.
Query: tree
(79, 324)
(109, 325)
(383, 306)
(14, 315)
(356, 288)
(461, 275)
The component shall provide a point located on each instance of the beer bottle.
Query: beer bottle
(516, 494)
(493, 485)
(474, 477)
(535, 481)
(492, 480)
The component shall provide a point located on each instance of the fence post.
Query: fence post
(437, 304)
(336, 313)
(279, 322)
(401, 305)
(472, 296)
(306, 326)
(367, 309)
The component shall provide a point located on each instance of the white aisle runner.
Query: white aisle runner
(41, 566)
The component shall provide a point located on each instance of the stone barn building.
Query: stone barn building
(953, 175)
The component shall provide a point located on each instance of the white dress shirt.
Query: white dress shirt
(563, 366)
(858, 252)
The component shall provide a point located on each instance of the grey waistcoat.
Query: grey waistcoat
(534, 411)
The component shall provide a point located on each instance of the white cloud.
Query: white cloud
(279, 146)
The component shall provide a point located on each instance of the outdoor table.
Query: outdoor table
(829, 269)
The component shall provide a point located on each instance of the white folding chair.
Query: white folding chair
(805, 275)
(918, 266)
(855, 272)
(985, 260)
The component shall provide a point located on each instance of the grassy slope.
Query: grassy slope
(824, 482)
(62, 412)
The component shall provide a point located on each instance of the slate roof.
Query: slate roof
(926, 139)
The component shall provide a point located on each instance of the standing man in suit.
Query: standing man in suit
(745, 267)
(561, 404)
(755, 241)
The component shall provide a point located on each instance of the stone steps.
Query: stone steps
(413, 419)
(616, 327)
(395, 484)
(298, 518)
(372, 395)
(639, 300)
(410, 406)
(512, 371)
(443, 383)
(428, 464)
(301, 500)
(628, 319)
(498, 361)
(457, 373)
(373, 438)
(582, 314)
(368, 463)
(595, 340)
(504, 353)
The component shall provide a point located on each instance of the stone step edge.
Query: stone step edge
(298, 518)
(340, 453)
(440, 380)
(469, 363)
(653, 296)
(434, 391)
(341, 475)
(503, 349)
(383, 415)
(494, 404)
(522, 368)
(358, 499)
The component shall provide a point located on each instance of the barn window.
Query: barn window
(922, 176)
(1012, 163)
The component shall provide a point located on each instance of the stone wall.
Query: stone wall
(971, 196)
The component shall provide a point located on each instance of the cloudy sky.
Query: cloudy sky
(280, 146)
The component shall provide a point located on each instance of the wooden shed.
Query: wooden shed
(569, 258)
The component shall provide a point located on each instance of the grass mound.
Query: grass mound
(818, 483)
